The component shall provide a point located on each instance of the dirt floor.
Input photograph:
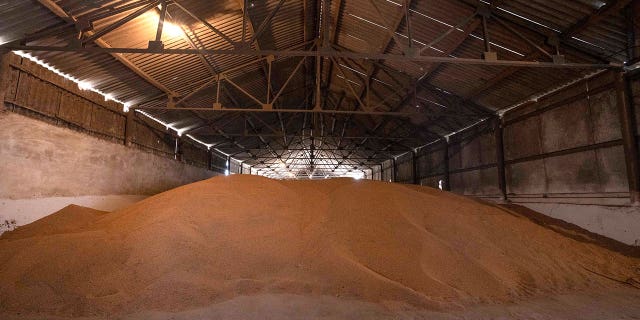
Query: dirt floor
(246, 247)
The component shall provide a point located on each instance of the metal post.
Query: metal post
(485, 34)
(447, 185)
(129, 128)
(394, 174)
(485, 13)
(414, 167)
(176, 150)
(629, 140)
(209, 159)
(502, 182)
(408, 23)
(632, 13)
(318, 80)
(163, 14)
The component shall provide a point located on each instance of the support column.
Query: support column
(629, 140)
(176, 151)
(129, 128)
(414, 167)
(502, 181)
(394, 174)
(447, 185)
(5, 70)
(209, 159)
(632, 13)
(241, 168)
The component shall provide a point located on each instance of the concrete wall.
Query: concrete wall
(61, 145)
(43, 162)
(568, 145)
(563, 157)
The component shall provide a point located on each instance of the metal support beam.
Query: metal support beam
(177, 153)
(321, 53)
(445, 164)
(120, 22)
(58, 11)
(205, 23)
(498, 134)
(286, 110)
(163, 15)
(629, 138)
(415, 171)
(632, 13)
(265, 23)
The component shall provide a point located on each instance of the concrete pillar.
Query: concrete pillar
(629, 140)
(447, 185)
(502, 181)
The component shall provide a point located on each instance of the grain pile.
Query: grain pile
(228, 238)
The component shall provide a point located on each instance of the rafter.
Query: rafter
(595, 17)
(58, 11)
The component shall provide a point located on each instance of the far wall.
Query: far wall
(563, 157)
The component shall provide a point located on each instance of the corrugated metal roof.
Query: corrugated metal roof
(357, 26)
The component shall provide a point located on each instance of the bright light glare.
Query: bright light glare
(83, 85)
(171, 30)
(168, 29)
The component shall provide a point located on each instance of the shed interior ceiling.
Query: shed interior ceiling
(439, 98)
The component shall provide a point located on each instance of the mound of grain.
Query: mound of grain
(227, 237)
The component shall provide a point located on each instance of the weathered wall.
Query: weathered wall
(404, 168)
(30, 89)
(61, 145)
(472, 169)
(41, 160)
(563, 156)
(44, 163)
(567, 145)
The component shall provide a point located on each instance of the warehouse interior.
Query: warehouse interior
(436, 159)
